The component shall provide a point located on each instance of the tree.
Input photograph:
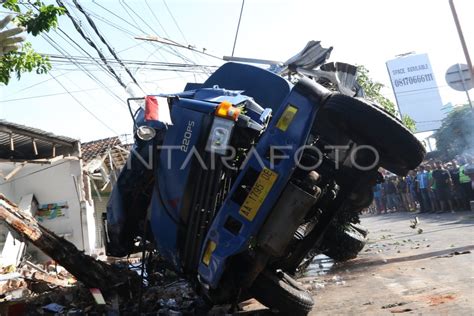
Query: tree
(372, 92)
(456, 134)
(43, 19)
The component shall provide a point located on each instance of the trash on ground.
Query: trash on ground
(394, 305)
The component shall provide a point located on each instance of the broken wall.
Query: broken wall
(61, 183)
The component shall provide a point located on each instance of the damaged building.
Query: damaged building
(102, 161)
(64, 184)
(42, 173)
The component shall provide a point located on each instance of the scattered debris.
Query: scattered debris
(338, 280)
(419, 231)
(394, 305)
(53, 308)
(91, 272)
(414, 223)
(97, 294)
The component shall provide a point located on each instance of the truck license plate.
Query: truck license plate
(258, 193)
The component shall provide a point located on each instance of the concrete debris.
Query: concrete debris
(338, 280)
(24, 281)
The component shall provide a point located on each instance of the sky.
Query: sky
(91, 105)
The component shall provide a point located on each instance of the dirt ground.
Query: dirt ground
(422, 270)
(425, 270)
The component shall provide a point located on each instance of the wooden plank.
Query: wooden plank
(91, 272)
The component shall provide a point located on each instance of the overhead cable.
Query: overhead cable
(91, 43)
(94, 27)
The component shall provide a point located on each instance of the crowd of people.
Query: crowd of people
(433, 187)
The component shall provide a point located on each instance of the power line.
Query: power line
(166, 41)
(127, 61)
(175, 22)
(156, 18)
(50, 94)
(176, 53)
(92, 24)
(143, 20)
(131, 17)
(91, 43)
(124, 20)
(70, 40)
(112, 24)
(135, 27)
(130, 47)
(153, 31)
(37, 84)
(82, 49)
(67, 56)
(83, 106)
(179, 28)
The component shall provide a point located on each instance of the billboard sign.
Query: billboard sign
(416, 91)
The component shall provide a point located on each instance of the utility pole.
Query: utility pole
(461, 37)
(238, 26)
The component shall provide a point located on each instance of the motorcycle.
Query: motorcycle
(249, 177)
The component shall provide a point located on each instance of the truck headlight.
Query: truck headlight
(146, 132)
(219, 137)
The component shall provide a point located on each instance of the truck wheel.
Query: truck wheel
(278, 290)
(342, 243)
(368, 124)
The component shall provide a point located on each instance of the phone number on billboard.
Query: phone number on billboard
(413, 80)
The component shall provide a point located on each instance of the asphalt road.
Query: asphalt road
(426, 270)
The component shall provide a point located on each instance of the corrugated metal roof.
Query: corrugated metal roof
(37, 131)
(31, 143)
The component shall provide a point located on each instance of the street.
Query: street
(423, 270)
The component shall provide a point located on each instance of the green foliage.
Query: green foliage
(27, 60)
(409, 122)
(372, 92)
(456, 134)
(35, 23)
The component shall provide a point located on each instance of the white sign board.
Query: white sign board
(416, 90)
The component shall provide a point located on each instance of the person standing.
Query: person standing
(411, 184)
(432, 189)
(442, 180)
(423, 184)
(457, 191)
(465, 181)
(379, 205)
(403, 191)
(391, 194)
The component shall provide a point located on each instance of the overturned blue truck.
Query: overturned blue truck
(254, 175)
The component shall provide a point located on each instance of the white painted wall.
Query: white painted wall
(61, 181)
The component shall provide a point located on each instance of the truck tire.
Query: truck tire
(343, 243)
(368, 124)
(279, 290)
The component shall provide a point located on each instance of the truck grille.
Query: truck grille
(211, 186)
